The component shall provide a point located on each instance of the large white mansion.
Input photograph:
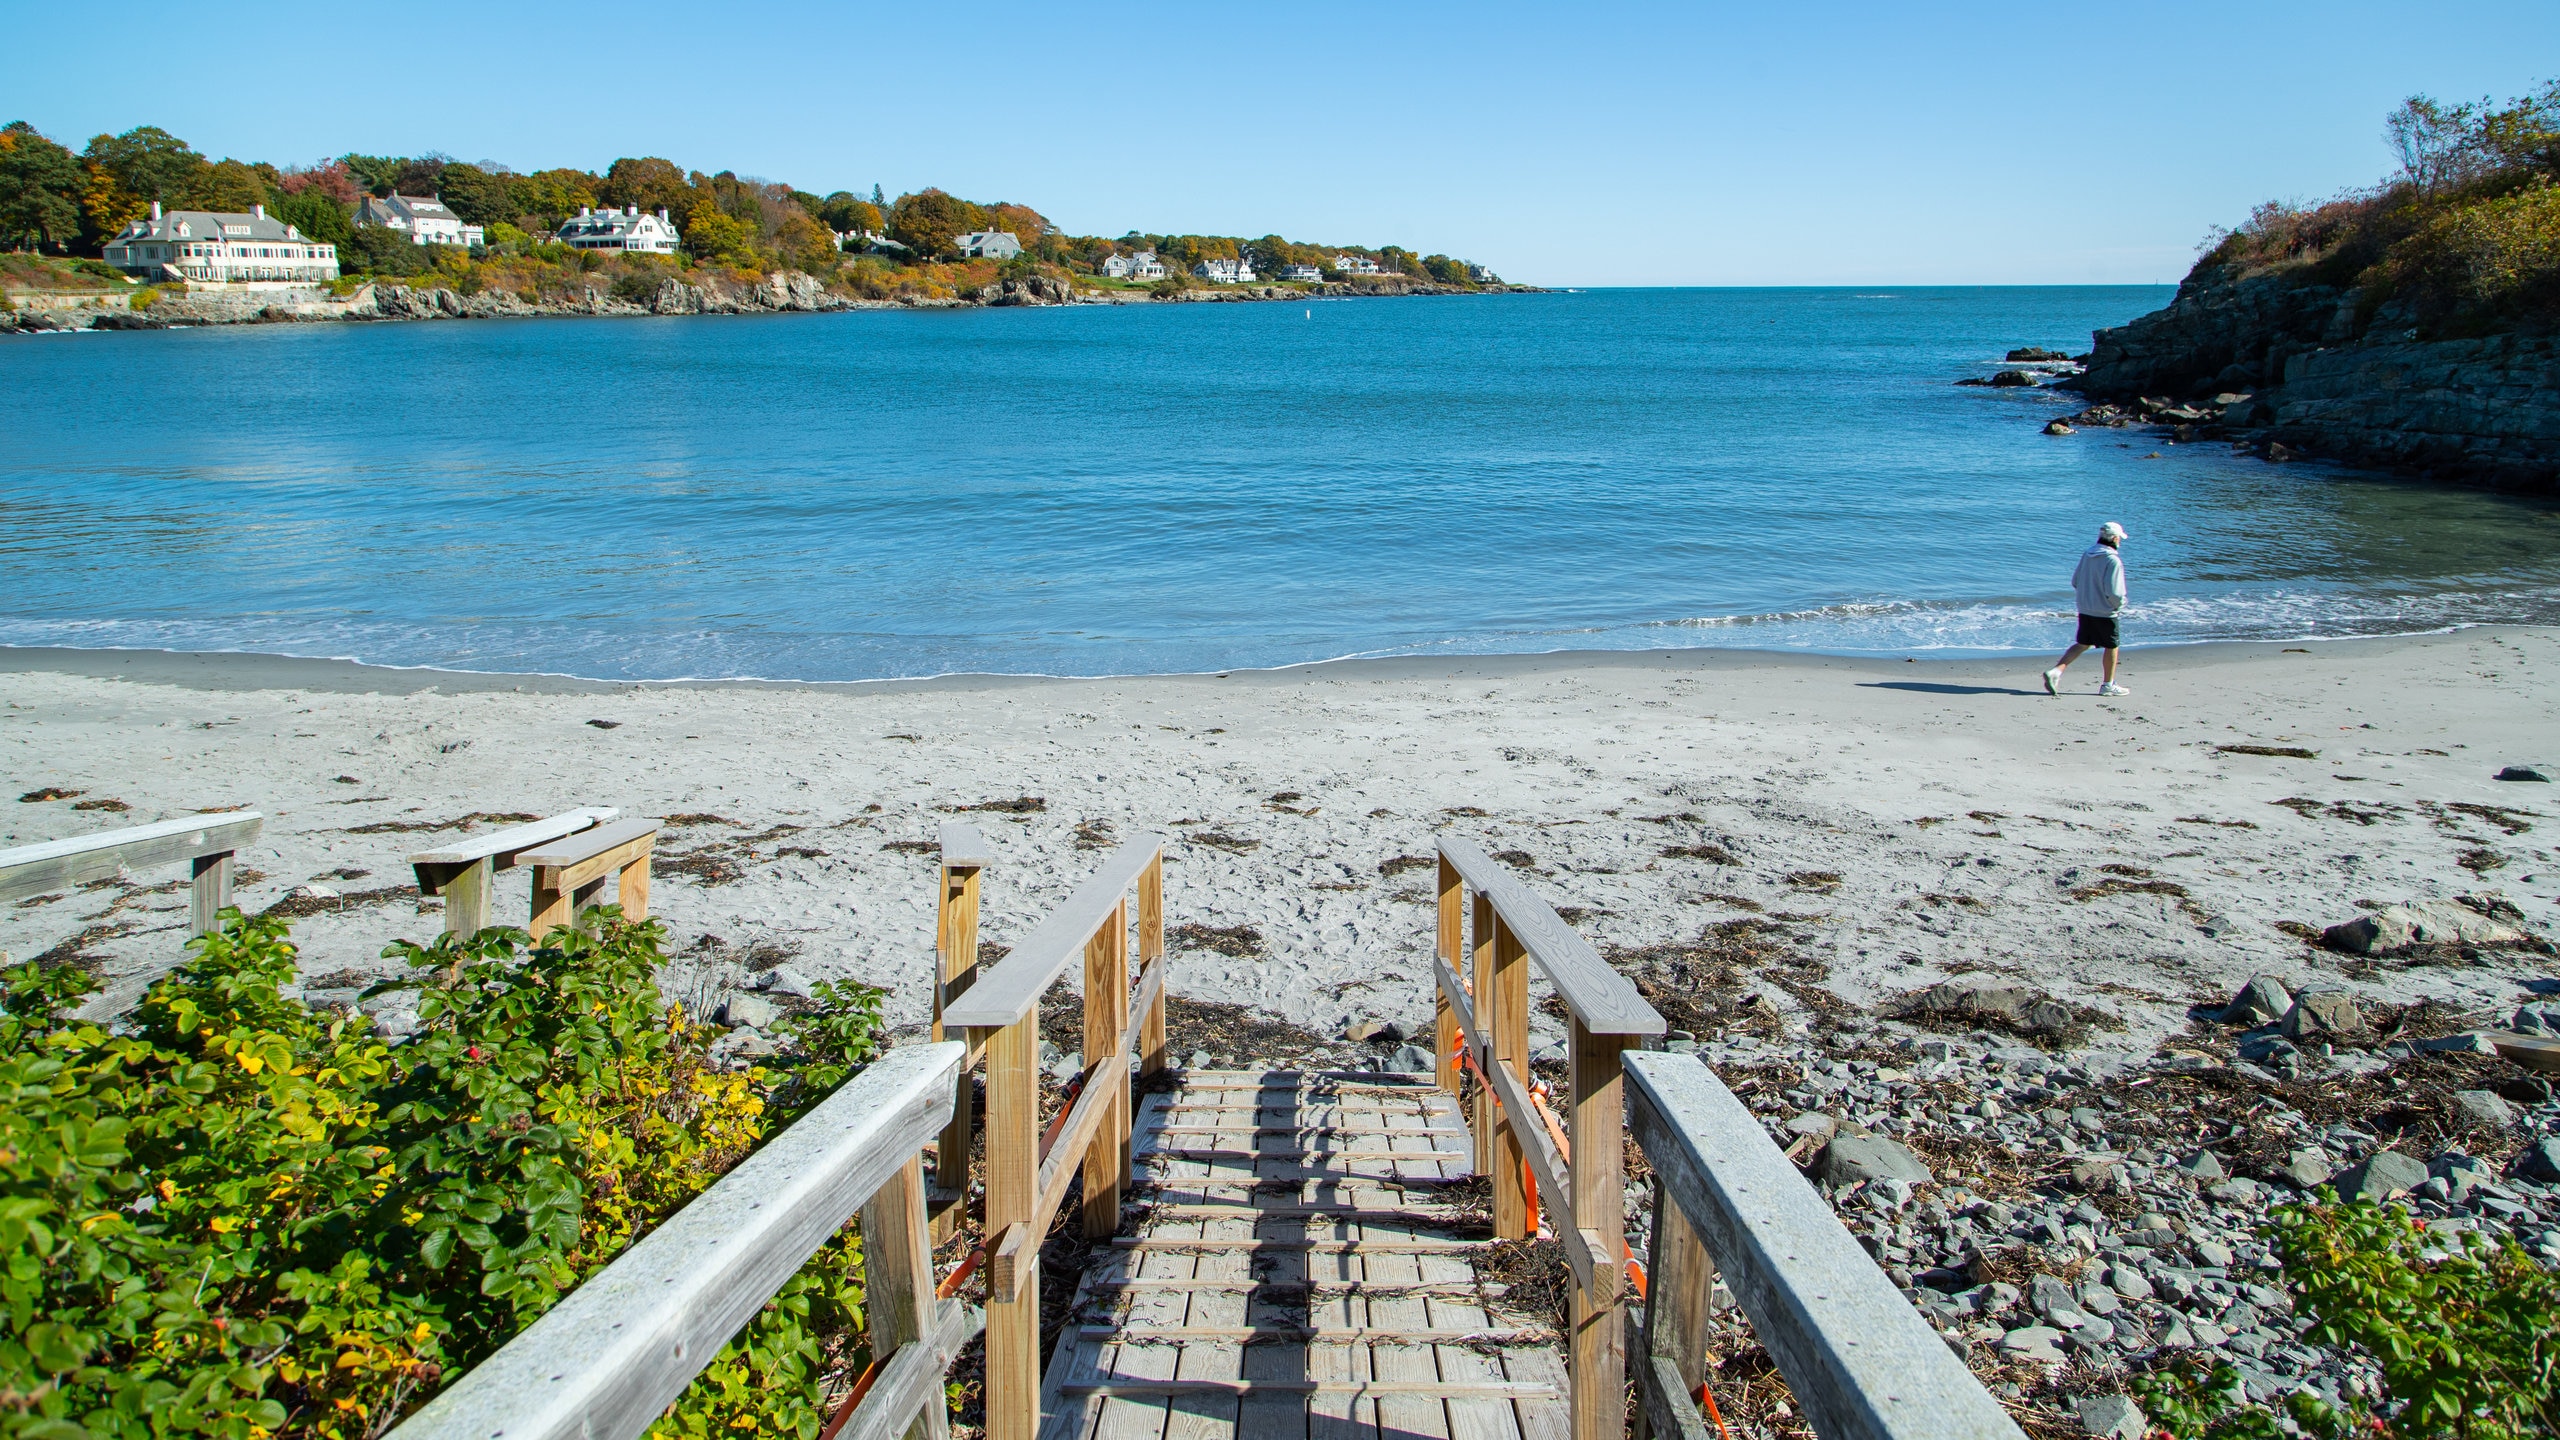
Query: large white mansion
(209, 247)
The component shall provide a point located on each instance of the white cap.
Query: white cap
(2111, 531)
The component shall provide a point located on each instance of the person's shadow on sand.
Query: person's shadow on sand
(1926, 687)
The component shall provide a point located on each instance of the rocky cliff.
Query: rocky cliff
(2319, 369)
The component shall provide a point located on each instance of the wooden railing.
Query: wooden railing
(1517, 1145)
(1027, 1173)
(1861, 1361)
(205, 842)
(607, 1360)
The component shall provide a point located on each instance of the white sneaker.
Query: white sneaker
(2053, 681)
(2112, 688)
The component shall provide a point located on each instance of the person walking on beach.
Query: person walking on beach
(2098, 584)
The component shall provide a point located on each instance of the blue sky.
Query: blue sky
(1607, 145)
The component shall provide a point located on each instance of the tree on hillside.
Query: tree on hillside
(711, 233)
(40, 186)
(332, 179)
(2436, 143)
(312, 212)
(381, 250)
(476, 195)
(649, 182)
(845, 210)
(546, 197)
(931, 222)
(806, 243)
(230, 186)
(129, 171)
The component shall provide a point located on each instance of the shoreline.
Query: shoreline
(783, 292)
(248, 669)
(1898, 822)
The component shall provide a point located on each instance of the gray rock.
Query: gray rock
(1200, 1060)
(1849, 1159)
(2485, 1109)
(2542, 1017)
(2306, 1168)
(2395, 928)
(2541, 1159)
(1368, 1030)
(2097, 1177)
(2011, 379)
(1067, 1067)
(2213, 1253)
(2128, 1282)
(2383, 1175)
(1411, 1060)
(2113, 1417)
(2239, 1189)
(2050, 1297)
(2470, 1042)
(2524, 772)
(1978, 997)
(2261, 1000)
(786, 980)
(2097, 1299)
(1814, 1123)
(2325, 1015)
(749, 1012)
(2039, 1344)
(2057, 427)
(2203, 1166)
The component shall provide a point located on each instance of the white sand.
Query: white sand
(1793, 764)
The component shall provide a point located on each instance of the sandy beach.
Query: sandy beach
(1905, 820)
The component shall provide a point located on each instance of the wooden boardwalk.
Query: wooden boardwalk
(1291, 1276)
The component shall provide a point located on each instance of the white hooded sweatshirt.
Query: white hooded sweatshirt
(2099, 581)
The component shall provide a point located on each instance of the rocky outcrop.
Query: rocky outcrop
(1034, 290)
(2316, 368)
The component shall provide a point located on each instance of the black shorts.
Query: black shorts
(2098, 631)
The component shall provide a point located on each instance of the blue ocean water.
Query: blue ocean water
(1170, 488)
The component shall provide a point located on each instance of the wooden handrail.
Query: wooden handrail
(606, 1361)
(206, 842)
(1008, 992)
(1861, 1361)
(1600, 998)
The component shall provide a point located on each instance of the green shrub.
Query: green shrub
(246, 1218)
(142, 299)
(2467, 1332)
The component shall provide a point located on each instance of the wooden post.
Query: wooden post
(1013, 1189)
(1106, 1014)
(955, 946)
(466, 898)
(212, 892)
(1680, 1277)
(1599, 1209)
(1151, 1043)
(551, 907)
(591, 893)
(1480, 991)
(632, 889)
(1514, 1216)
(1452, 948)
(898, 1281)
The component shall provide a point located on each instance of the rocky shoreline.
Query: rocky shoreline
(782, 292)
(2284, 369)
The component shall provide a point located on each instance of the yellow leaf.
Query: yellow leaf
(224, 1224)
(168, 1191)
(251, 1063)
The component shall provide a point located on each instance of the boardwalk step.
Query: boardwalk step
(1448, 1389)
(1339, 1335)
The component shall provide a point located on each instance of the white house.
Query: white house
(206, 247)
(424, 218)
(1355, 265)
(1142, 266)
(1483, 275)
(1225, 272)
(1301, 272)
(623, 229)
(989, 244)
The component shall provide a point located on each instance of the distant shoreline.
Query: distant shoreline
(783, 292)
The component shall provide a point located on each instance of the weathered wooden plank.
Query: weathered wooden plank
(1861, 1361)
(1602, 999)
(961, 844)
(1412, 1396)
(57, 864)
(606, 1361)
(1486, 1334)
(592, 854)
(898, 1289)
(1009, 990)
(1599, 1341)
(1012, 1191)
(1430, 1388)
(1554, 1179)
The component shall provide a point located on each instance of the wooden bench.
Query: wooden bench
(464, 873)
(570, 875)
(207, 842)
